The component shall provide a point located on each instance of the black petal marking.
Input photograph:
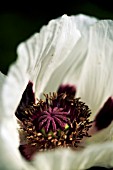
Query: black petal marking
(27, 99)
(28, 95)
(27, 151)
(68, 89)
(60, 120)
(105, 115)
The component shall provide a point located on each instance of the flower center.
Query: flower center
(51, 119)
(60, 120)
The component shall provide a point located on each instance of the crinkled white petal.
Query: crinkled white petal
(69, 71)
(49, 49)
(9, 154)
(66, 159)
(96, 81)
(2, 79)
(79, 52)
(10, 158)
(14, 86)
(37, 59)
(101, 136)
(63, 42)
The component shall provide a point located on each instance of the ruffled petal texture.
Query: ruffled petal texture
(67, 50)
(2, 79)
(49, 49)
(10, 157)
(66, 159)
(38, 57)
(69, 71)
(96, 81)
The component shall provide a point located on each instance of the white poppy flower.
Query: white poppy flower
(71, 55)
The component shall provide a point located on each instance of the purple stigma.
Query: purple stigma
(52, 119)
(59, 120)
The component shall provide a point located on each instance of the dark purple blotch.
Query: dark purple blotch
(27, 98)
(28, 95)
(27, 151)
(105, 115)
(68, 89)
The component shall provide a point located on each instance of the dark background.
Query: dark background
(19, 20)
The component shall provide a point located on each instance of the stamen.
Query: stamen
(58, 121)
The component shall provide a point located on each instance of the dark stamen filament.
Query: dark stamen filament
(58, 121)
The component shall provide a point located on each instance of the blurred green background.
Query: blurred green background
(19, 20)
